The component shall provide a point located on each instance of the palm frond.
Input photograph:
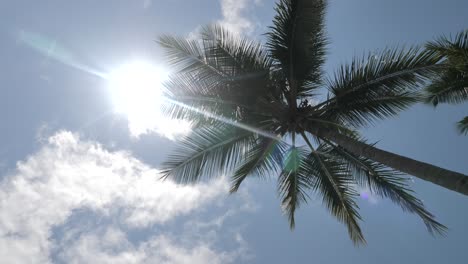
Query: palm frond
(192, 112)
(265, 157)
(314, 123)
(246, 61)
(462, 126)
(207, 152)
(454, 49)
(334, 183)
(293, 182)
(386, 183)
(183, 92)
(188, 56)
(364, 110)
(219, 57)
(378, 86)
(223, 75)
(297, 42)
(241, 95)
(239, 55)
(451, 86)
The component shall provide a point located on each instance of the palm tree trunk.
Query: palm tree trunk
(448, 179)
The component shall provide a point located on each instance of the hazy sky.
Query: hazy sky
(79, 185)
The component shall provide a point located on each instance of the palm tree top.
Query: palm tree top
(269, 110)
(451, 86)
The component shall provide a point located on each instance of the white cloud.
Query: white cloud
(237, 17)
(147, 124)
(68, 174)
(112, 246)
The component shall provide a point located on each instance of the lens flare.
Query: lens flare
(136, 93)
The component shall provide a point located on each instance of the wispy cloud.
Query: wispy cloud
(68, 174)
(112, 246)
(237, 15)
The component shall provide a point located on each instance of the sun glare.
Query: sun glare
(136, 91)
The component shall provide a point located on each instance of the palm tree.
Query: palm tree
(256, 112)
(451, 86)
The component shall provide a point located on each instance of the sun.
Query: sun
(136, 93)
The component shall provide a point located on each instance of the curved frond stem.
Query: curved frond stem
(339, 198)
(293, 183)
(387, 183)
(297, 42)
(206, 151)
(304, 136)
(382, 79)
(369, 89)
(264, 158)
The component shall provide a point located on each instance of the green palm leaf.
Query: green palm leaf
(335, 186)
(462, 126)
(225, 75)
(386, 183)
(451, 86)
(378, 86)
(237, 54)
(184, 92)
(452, 49)
(297, 43)
(207, 152)
(293, 182)
(244, 100)
(265, 157)
(189, 56)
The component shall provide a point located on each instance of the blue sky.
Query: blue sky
(77, 186)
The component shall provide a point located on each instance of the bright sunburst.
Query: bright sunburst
(136, 93)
